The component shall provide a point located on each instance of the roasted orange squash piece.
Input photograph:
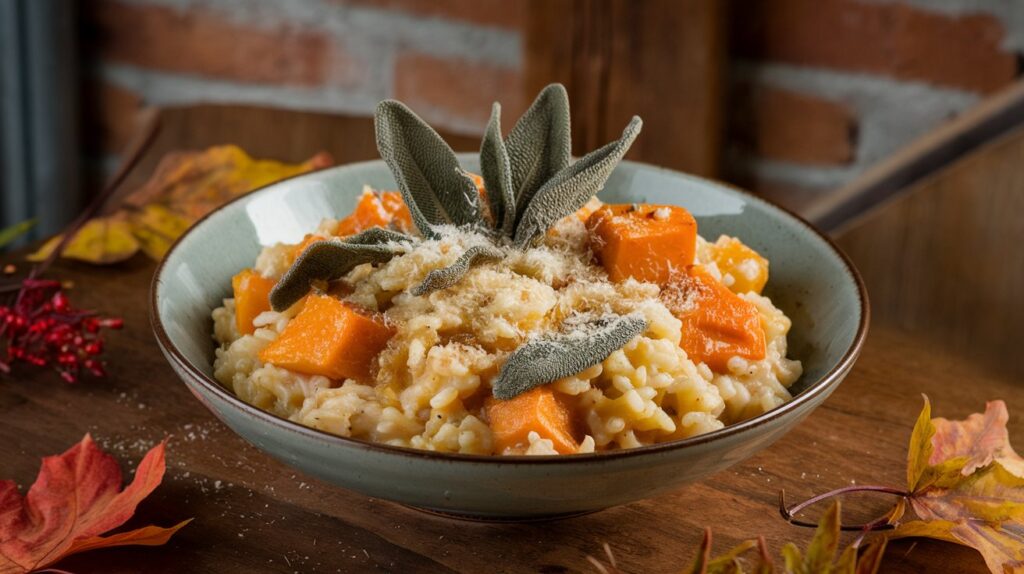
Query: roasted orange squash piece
(742, 268)
(252, 297)
(646, 242)
(308, 240)
(539, 410)
(331, 338)
(717, 323)
(376, 209)
(588, 209)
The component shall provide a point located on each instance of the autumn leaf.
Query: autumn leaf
(12, 232)
(76, 498)
(971, 489)
(819, 558)
(183, 188)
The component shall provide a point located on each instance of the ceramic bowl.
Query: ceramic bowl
(811, 281)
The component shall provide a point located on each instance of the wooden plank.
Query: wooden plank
(944, 259)
(930, 153)
(659, 59)
(254, 514)
(286, 135)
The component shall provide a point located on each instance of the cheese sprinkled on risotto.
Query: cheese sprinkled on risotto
(429, 387)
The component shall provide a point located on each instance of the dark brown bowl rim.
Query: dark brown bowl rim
(822, 385)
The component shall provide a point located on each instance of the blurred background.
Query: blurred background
(792, 99)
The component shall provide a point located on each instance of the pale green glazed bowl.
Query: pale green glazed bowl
(810, 280)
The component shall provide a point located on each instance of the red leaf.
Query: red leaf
(76, 498)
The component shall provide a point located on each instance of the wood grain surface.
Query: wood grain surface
(945, 259)
(592, 46)
(253, 514)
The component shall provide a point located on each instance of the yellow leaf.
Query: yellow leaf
(920, 449)
(700, 562)
(1000, 547)
(871, 559)
(184, 187)
(847, 563)
(792, 557)
(101, 240)
(156, 228)
(730, 562)
(822, 550)
(970, 490)
(937, 529)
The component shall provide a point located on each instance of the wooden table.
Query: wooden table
(253, 514)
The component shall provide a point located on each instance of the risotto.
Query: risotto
(432, 379)
(608, 327)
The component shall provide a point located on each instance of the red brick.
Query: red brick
(202, 42)
(788, 126)
(455, 89)
(498, 13)
(890, 39)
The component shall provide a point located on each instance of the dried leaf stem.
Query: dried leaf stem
(881, 523)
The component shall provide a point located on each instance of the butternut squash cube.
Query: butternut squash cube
(308, 240)
(252, 297)
(331, 338)
(717, 323)
(376, 209)
(539, 410)
(742, 268)
(649, 243)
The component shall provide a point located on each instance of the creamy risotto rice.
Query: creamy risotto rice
(429, 384)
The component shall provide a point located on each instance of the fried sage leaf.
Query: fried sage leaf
(326, 261)
(497, 174)
(539, 145)
(448, 276)
(435, 188)
(548, 359)
(377, 235)
(572, 187)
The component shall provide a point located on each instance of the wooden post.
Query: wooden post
(659, 59)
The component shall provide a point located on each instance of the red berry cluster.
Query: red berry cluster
(42, 328)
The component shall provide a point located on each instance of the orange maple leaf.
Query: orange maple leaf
(76, 498)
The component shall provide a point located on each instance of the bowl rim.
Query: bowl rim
(814, 389)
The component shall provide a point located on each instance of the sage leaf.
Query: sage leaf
(539, 145)
(497, 174)
(433, 185)
(377, 235)
(325, 261)
(572, 187)
(448, 276)
(554, 357)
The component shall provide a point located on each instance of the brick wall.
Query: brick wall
(448, 58)
(824, 88)
(820, 89)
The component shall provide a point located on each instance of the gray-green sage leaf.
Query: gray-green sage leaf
(446, 277)
(326, 261)
(547, 359)
(433, 185)
(572, 187)
(497, 173)
(539, 145)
